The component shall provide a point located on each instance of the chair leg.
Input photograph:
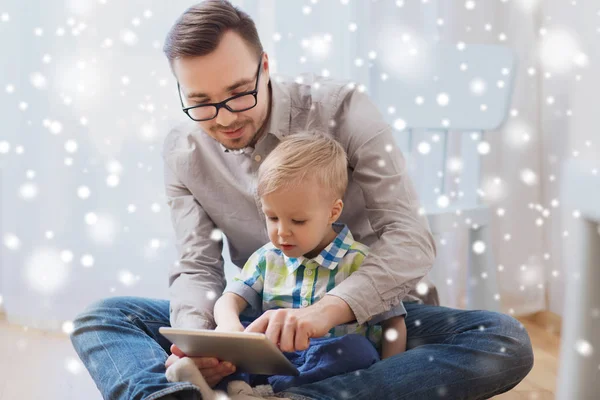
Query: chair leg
(578, 373)
(482, 285)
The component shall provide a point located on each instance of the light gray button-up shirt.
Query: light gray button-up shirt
(210, 188)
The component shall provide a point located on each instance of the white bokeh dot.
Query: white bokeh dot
(391, 335)
(66, 256)
(443, 201)
(129, 37)
(73, 365)
(87, 260)
(45, 271)
(55, 127)
(127, 278)
(478, 86)
(68, 327)
(443, 99)
(112, 180)
(83, 192)
(38, 80)
(28, 191)
(479, 247)
(424, 148)
(483, 148)
(71, 146)
(422, 288)
(528, 177)
(216, 235)
(399, 124)
(11, 241)
(584, 348)
(91, 218)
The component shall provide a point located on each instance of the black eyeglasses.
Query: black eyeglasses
(238, 103)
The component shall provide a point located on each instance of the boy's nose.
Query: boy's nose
(284, 232)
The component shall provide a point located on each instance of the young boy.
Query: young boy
(301, 185)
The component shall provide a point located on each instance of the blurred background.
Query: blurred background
(86, 98)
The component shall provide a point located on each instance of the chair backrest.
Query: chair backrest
(464, 88)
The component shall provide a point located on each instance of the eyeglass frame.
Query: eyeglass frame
(223, 104)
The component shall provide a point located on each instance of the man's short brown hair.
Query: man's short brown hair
(198, 31)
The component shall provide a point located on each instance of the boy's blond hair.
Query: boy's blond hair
(301, 156)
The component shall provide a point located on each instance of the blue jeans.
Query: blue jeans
(451, 354)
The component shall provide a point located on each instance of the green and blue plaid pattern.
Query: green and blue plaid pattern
(271, 280)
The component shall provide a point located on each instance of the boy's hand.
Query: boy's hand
(291, 328)
(211, 369)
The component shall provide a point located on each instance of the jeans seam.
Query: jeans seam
(462, 382)
(109, 355)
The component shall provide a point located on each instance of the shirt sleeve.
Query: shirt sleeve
(249, 282)
(197, 279)
(395, 311)
(405, 249)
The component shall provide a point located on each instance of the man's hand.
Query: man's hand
(212, 370)
(291, 329)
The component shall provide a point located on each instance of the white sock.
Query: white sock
(184, 370)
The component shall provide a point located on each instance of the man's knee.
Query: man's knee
(99, 312)
(516, 339)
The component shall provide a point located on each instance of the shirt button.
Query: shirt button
(257, 158)
(309, 272)
(304, 303)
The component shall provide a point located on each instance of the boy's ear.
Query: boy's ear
(336, 211)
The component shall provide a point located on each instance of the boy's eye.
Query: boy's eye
(272, 218)
(298, 222)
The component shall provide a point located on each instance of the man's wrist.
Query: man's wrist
(336, 310)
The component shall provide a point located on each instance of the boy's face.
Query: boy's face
(299, 219)
(211, 79)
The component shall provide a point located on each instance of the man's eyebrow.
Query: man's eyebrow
(229, 88)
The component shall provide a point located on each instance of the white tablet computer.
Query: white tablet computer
(248, 351)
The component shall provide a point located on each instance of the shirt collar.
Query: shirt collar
(279, 120)
(330, 256)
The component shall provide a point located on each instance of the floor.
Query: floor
(54, 372)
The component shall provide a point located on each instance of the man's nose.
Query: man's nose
(225, 117)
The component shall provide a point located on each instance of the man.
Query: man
(238, 114)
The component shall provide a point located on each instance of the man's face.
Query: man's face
(229, 70)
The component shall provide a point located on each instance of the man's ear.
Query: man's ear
(336, 211)
(266, 66)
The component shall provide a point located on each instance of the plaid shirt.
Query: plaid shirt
(271, 280)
